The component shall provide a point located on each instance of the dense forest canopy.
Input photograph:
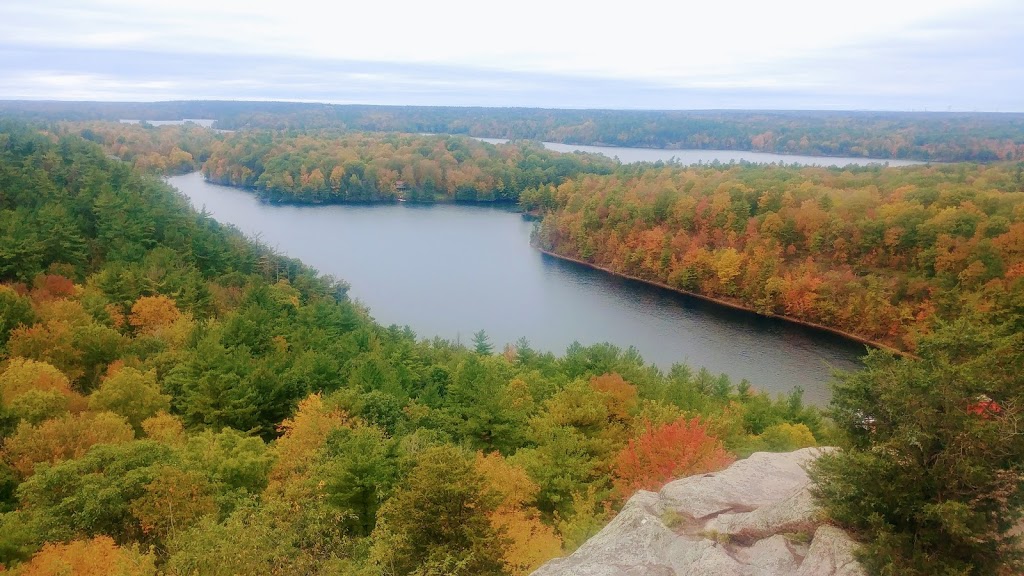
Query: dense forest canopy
(177, 398)
(877, 252)
(934, 136)
(325, 167)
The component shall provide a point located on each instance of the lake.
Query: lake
(449, 270)
(687, 157)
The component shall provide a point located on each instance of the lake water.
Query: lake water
(449, 270)
(687, 157)
(204, 122)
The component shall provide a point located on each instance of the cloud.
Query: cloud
(731, 54)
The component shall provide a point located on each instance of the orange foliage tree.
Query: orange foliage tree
(150, 313)
(96, 557)
(50, 286)
(659, 454)
(619, 396)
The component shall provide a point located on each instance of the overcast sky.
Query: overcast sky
(786, 54)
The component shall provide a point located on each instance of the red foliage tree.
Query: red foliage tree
(659, 454)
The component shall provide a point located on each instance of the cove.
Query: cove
(449, 270)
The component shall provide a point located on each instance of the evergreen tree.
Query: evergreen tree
(482, 343)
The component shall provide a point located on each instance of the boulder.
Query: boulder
(755, 518)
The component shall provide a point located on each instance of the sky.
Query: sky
(962, 55)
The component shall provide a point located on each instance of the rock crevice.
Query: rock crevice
(755, 518)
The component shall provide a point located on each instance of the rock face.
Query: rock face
(755, 518)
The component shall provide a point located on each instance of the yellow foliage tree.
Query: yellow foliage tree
(728, 263)
(23, 375)
(619, 396)
(303, 436)
(529, 542)
(785, 437)
(165, 428)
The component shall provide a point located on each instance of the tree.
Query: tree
(150, 313)
(303, 437)
(359, 471)
(785, 437)
(23, 375)
(63, 438)
(236, 464)
(932, 485)
(172, 501)
(132, 394)
(620, 397)
(438, 522)
(35, 406)
(482, 343)
(92, 495)
(15, 311)
(257, 540)
(660, 454)
(164, 428)
(530, 541)
(213, 389)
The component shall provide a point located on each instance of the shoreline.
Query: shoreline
(256, 192)
(733, 305)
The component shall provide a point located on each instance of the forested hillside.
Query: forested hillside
(876, 252)
(928, 259)
(177, 398)
(158, 150)
(933, 136)
(334, 167)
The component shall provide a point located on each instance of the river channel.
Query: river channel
(449, 270)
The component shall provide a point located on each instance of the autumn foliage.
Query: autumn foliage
(97, 557)
(619, 396)
(331, 167)
(663, 453)
(151, 313)
(196, 395)
(62, 438)
(880, 253)
(530, 541)
(23, 376)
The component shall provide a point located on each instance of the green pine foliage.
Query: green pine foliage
(932, 477)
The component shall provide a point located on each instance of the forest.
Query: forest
(879, 253)
(373, 167)
(929, 136)
(176, 398)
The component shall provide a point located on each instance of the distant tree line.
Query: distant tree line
(930, 136)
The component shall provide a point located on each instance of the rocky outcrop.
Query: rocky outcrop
(755, 518)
